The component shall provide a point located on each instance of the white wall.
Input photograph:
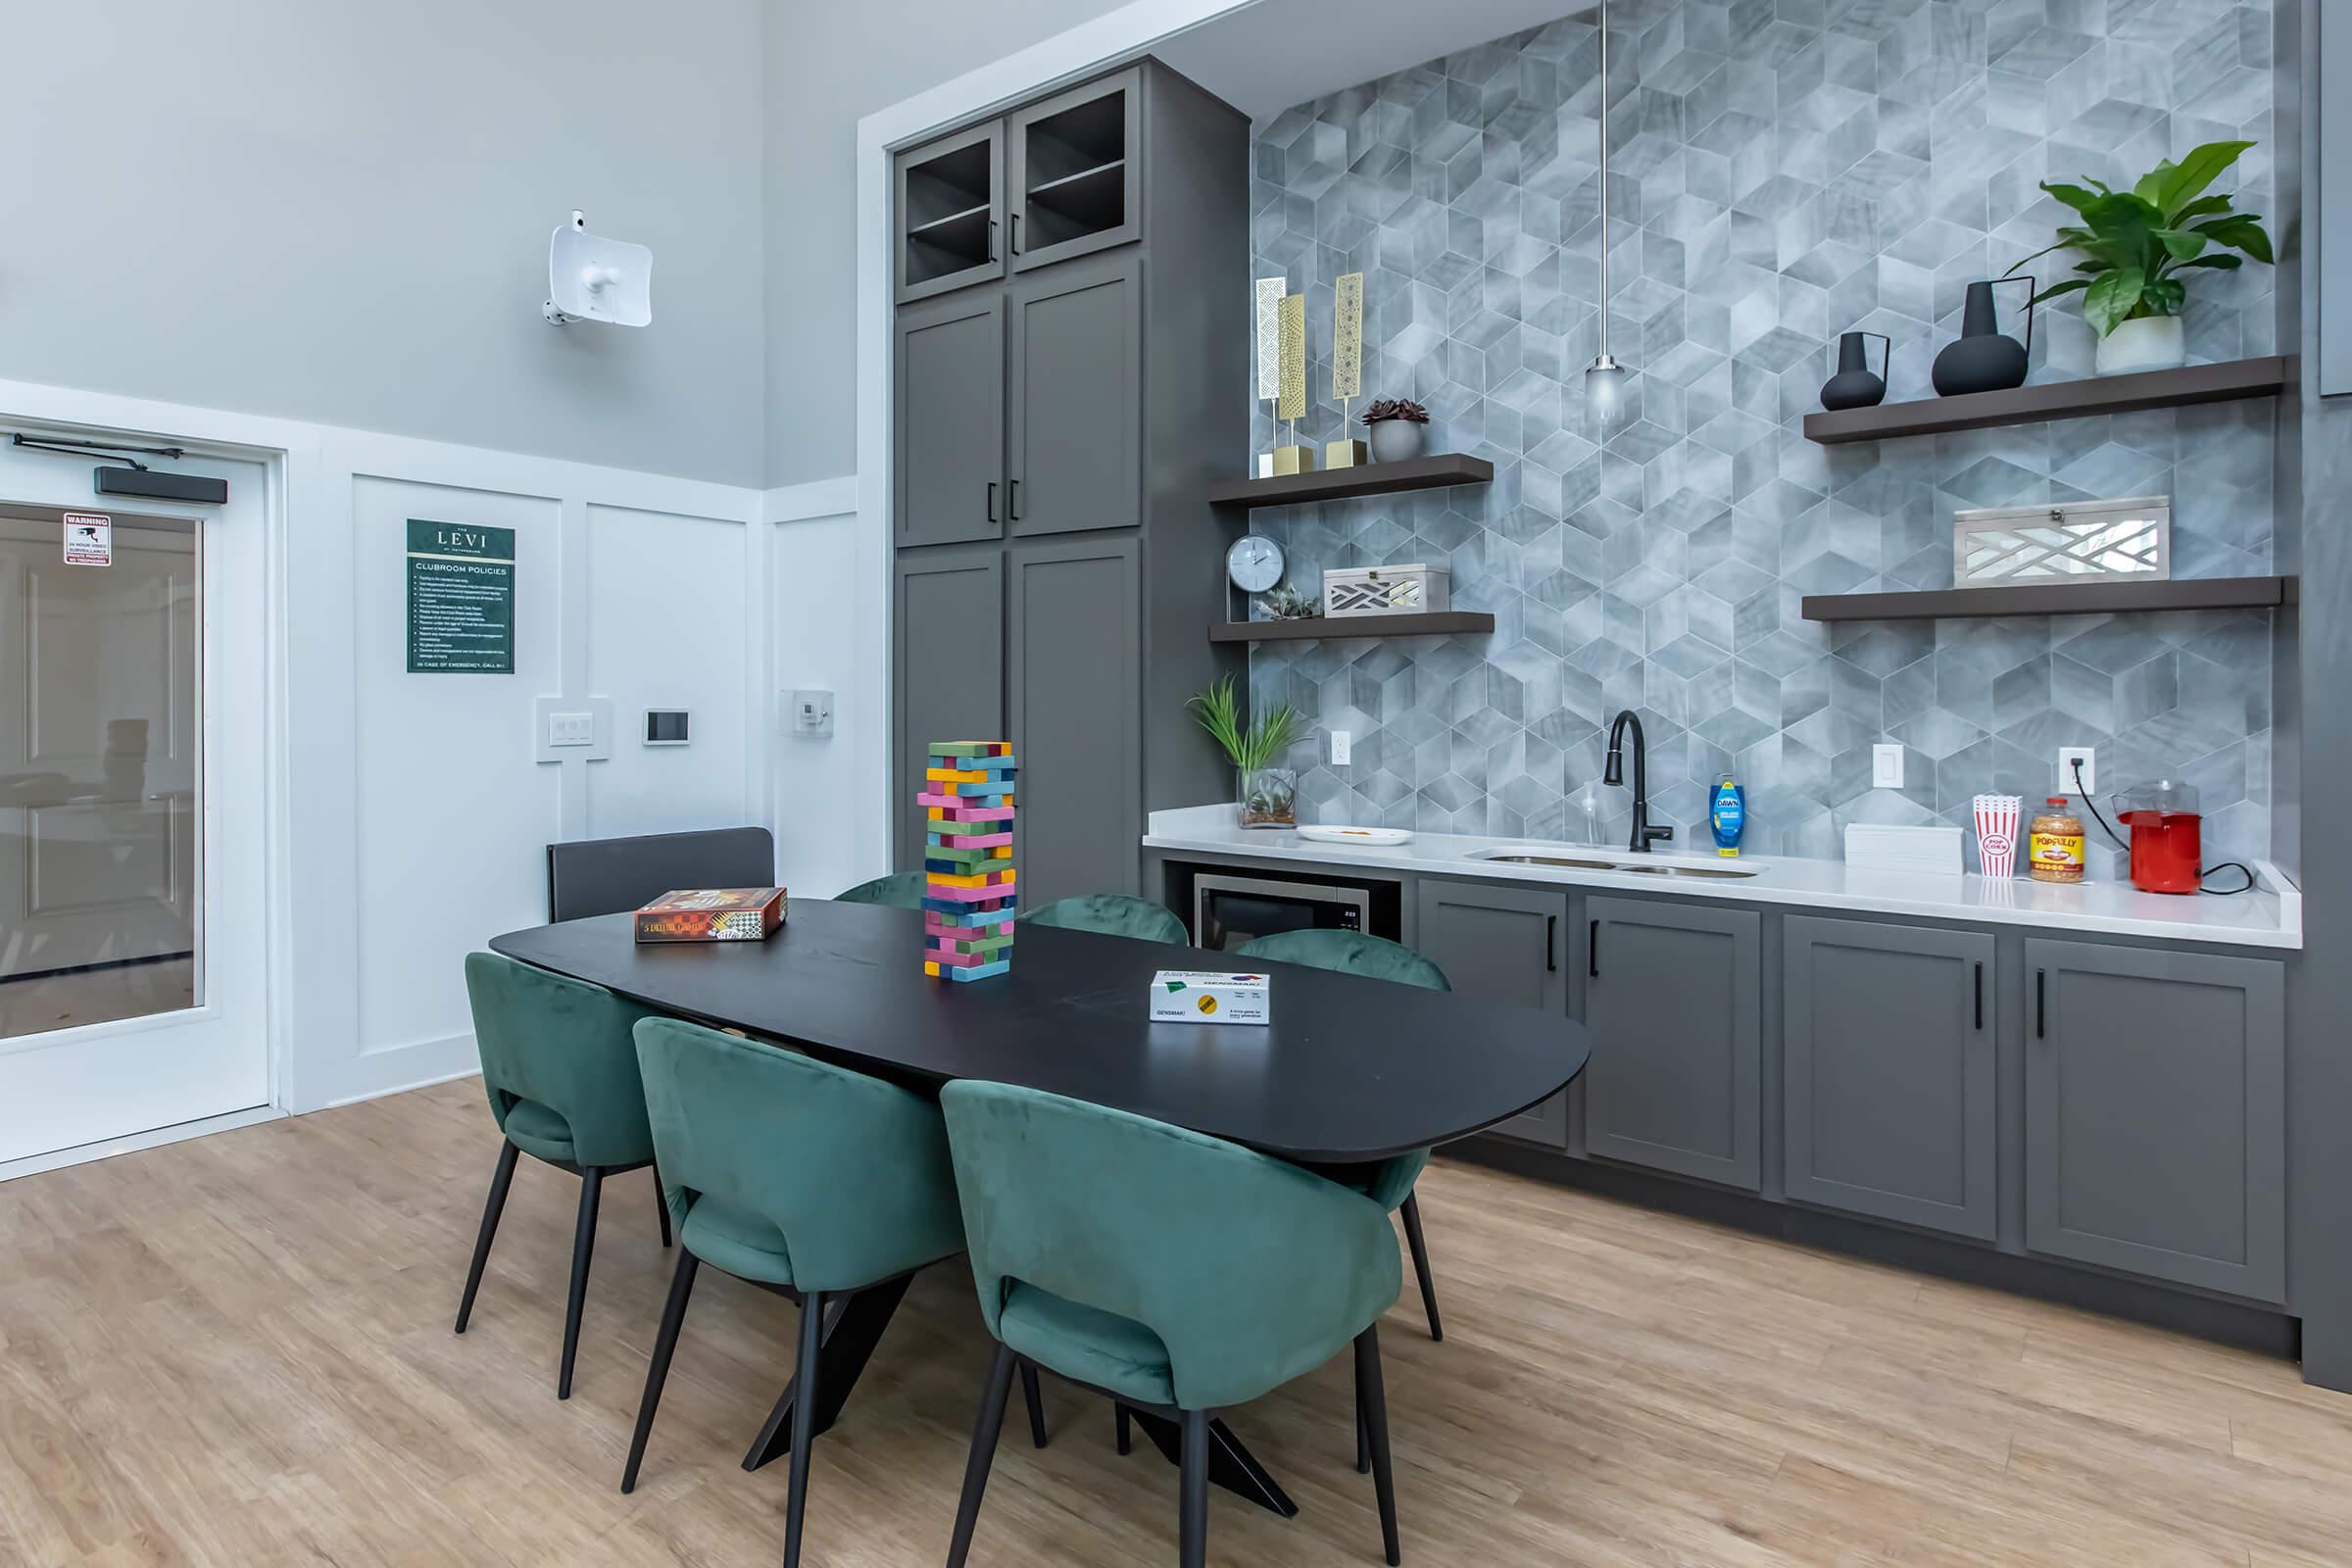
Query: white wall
(339, 212)
(630, 587)
(817, 786)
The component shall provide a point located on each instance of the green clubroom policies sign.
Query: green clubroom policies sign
(460, 599)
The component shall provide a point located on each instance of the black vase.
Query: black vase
(1986, 359)
(1854, 386)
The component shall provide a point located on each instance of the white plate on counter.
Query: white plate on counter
(1340, 833)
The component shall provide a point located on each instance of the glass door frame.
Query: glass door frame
(72, 1079)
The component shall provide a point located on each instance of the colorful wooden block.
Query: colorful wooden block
(971, 747)
(977, 913)
(981, 971)
(970, 813)
(961, 881)
(977, 841)
(983, 796)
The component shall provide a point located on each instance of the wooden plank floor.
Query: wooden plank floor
(236, 1351)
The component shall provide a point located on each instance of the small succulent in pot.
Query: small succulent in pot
(2136, 249)
(1399, 427)
(1285, 603)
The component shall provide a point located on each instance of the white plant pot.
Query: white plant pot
(2150, 343)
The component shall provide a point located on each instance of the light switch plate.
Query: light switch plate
(809, 714)
(1886, 766)
(1343, 747)
(571, 729)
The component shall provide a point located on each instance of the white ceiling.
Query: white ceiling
(1265, 57)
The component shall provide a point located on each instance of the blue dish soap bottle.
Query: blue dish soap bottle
(1727, 813)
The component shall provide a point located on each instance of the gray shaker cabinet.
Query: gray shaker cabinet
(949, 669)
(1075, 674)
(2156, 1114)
(948, 388)
(1505, 944)
(1890, 1104)
(1075, 436)
(1673, 995)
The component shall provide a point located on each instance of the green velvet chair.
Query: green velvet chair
(802, 1178)
(901, 890)
(1176, 1273)
(561, 1068)
(1112, 914)
(1391, 1182)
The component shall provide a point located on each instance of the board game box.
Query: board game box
(712, 914)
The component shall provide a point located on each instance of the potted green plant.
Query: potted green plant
(1397, 426)
(2135, 247)
(1269, 795)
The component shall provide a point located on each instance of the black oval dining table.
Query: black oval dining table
(1350, 1070)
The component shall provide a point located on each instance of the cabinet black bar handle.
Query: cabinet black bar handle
(1592, 949)
(1980, 996)
(1013, 497)
(992, 500)
(992, 239)
(2042, 1012)
(1016, 221)
(1551, 942)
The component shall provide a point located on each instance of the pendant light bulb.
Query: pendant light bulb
(1606, 407)
(1604, 394)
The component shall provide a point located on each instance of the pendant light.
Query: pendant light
(1605, 378)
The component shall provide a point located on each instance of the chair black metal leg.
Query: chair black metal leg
(806, 1383)
(1192, 1493)
(661, 1206)
(657, 1371)
(984, 1453)
(1036, 1403)
(1363, 1442)
(1125, 1443)
(495, 1205)
(1429, 1287)
(583, 1245)
(1376, 1427)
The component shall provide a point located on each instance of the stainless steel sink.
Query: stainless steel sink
(1515, 856)
(1682, 871)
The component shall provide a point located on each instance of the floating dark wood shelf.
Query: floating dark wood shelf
(2227, 382)
(1367, 479)
(2056, 599)
(1428, 623)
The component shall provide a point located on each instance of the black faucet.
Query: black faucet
(1615, 773)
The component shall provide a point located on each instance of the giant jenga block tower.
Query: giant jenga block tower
(967, 860)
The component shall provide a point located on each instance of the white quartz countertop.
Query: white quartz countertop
(2270, 916)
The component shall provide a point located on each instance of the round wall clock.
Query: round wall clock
(1254, 564)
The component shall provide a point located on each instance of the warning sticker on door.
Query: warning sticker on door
(89, 539)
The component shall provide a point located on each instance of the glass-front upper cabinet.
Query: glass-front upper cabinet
(1074, 161)
(950, 212)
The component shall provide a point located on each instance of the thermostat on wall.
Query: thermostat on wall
(665, 726)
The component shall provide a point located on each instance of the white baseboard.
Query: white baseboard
(83, 1154)
(366, 1095)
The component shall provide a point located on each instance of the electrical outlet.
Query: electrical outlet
(810, 714)
(2068, 784)
(1886, 766)
(1342, 746)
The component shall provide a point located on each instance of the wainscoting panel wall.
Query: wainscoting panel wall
(1780, 174)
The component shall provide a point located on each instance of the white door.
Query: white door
(132, 921)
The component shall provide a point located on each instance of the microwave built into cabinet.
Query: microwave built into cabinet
(1229, 911)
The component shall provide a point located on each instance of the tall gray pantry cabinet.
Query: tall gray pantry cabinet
(1071, 340)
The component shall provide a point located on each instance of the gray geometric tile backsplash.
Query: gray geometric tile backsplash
(1780, 173)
